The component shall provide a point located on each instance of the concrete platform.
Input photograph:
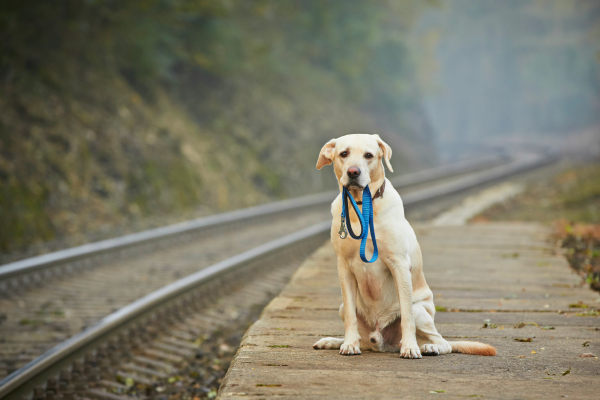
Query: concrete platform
(507, 273)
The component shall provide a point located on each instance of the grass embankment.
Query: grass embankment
(114, 113)
(572, 195)
(570, 201)
(104, 161)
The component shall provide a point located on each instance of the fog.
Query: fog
(513, 72)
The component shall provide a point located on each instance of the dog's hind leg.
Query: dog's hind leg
(433, 344)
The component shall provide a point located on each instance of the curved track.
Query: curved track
(125, 279)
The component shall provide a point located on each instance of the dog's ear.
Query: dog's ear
(326, 154)
(387, 152)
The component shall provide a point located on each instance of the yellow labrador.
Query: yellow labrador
(386, 304)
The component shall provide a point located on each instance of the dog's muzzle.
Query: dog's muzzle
(353, 177)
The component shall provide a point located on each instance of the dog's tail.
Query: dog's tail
(476, 348)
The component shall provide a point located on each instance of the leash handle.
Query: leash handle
(366, 222)
(367, 211)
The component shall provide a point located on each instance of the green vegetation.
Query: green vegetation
(582, 248)
(114, 111)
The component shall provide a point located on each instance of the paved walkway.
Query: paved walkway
(505, 273)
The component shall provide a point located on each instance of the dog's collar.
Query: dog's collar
(378, 193)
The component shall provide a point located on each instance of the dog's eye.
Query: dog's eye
(368, 156)
(344, 154)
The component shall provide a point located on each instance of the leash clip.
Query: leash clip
(343, 232)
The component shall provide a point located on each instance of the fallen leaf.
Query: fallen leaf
(524, 324)
(523, 339)
(437, 391)
(547, 328)
(567, 372)
(586, 344)
(587, 355)
(488, 325)
(533, 352)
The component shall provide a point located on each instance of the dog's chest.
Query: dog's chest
(372, 279)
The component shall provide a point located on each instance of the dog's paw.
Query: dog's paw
(328, 343)
(409, 350)
(350, 348)
(430, 349)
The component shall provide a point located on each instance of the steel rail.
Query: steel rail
(458, 168)
(522, 164)
(151, 302)
(10, 273)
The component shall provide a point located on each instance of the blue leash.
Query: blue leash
(366, 222)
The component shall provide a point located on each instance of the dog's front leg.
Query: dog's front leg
(401, 272)
(348, 283)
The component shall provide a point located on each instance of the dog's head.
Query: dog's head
(357, 159)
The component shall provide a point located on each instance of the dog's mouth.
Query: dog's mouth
(354, 185)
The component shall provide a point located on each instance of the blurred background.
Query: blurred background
(117, 116)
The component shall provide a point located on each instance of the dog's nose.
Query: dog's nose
(353, 172)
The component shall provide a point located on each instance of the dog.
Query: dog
(387, 305)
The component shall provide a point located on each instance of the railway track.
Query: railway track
(35, 271)
(205, 290)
